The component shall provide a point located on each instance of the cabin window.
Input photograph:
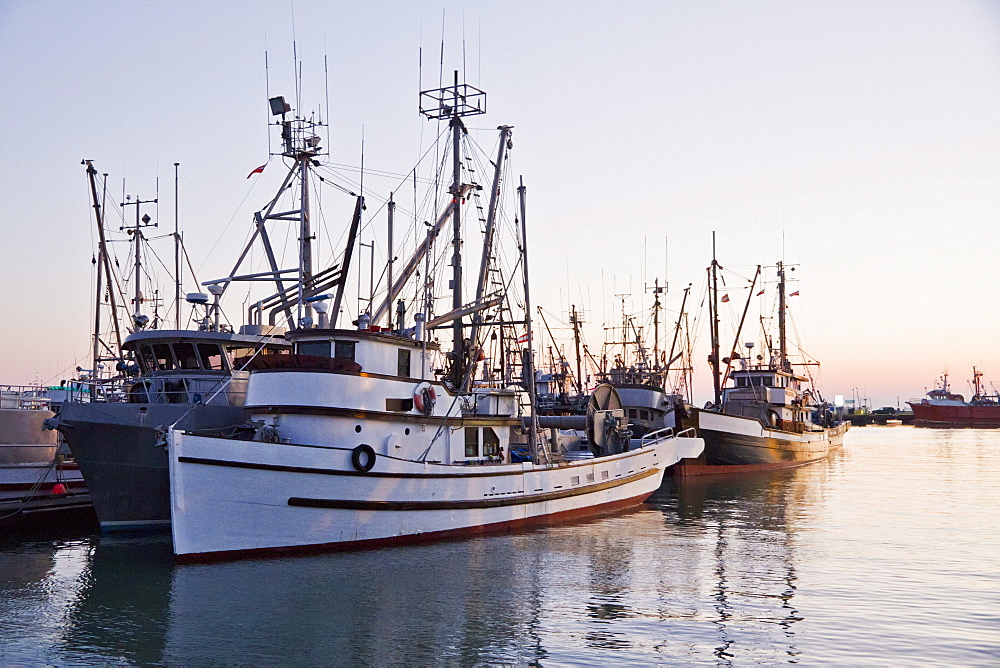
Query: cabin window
(314, 348)
(399, 405)
(403, 363)
(633, 413)
(769, 381)
(344, 350)
(471, 442)
(147, 360)
(741, 382)
(491, 442)
(164, 358)
(211, 357)
(186, 359)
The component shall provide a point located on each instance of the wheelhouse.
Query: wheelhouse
(212, 353)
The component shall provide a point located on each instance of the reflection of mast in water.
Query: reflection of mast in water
(722, 607)
(609, 573)
(751, 521)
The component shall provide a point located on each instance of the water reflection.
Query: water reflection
(748, 549)
(123, 599)
(782, 567)
(707, 571)
(454, 602)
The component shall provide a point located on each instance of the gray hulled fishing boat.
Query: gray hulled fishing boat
(164, 377)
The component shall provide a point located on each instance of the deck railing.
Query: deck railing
(665, 433)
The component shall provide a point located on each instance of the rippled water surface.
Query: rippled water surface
(887, 553)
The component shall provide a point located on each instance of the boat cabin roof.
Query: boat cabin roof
(227, 339)
(765, 377)
(380, 335)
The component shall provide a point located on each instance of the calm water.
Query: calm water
(886, 553)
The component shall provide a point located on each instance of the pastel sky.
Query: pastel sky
(858, 141)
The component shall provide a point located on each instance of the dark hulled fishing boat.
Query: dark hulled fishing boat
(768, 417)
(160, 376)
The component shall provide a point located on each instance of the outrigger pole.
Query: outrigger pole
(103, 264)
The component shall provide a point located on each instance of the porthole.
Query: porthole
(407, 431)
(357, 428)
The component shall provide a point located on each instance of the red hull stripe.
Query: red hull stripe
(464, 532)
(494, 502)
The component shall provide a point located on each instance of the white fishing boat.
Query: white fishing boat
(771, 416)
(382, 434)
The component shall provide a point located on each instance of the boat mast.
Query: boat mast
(304, 159)
(574, 319)
(782, 352)
(137, 238)
(456, 242)
(177, 256)
(103, 263)
(455, 102)
(714, 307)
(529, 363)
(392, 258)
(656, 321)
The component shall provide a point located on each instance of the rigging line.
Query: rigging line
(380, 172)
(187, 258)
(437, 434)
(410, 175)
(229, 222)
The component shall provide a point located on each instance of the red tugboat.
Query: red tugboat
(942, 408)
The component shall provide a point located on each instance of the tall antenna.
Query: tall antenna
(441, 63)
(326, 78)
(267, 91)
(177, 253)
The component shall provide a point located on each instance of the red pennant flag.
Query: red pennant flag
(725, 298)
(257, 171)
(760, 293)
(524, 338)
(794, 294)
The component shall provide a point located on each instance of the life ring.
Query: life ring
(363, 458)
(424, 398)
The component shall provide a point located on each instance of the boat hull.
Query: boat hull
(120, 451)
(242, 498)
(735, 444)
(952, 416)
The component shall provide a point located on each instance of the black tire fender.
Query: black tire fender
(363, 458)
